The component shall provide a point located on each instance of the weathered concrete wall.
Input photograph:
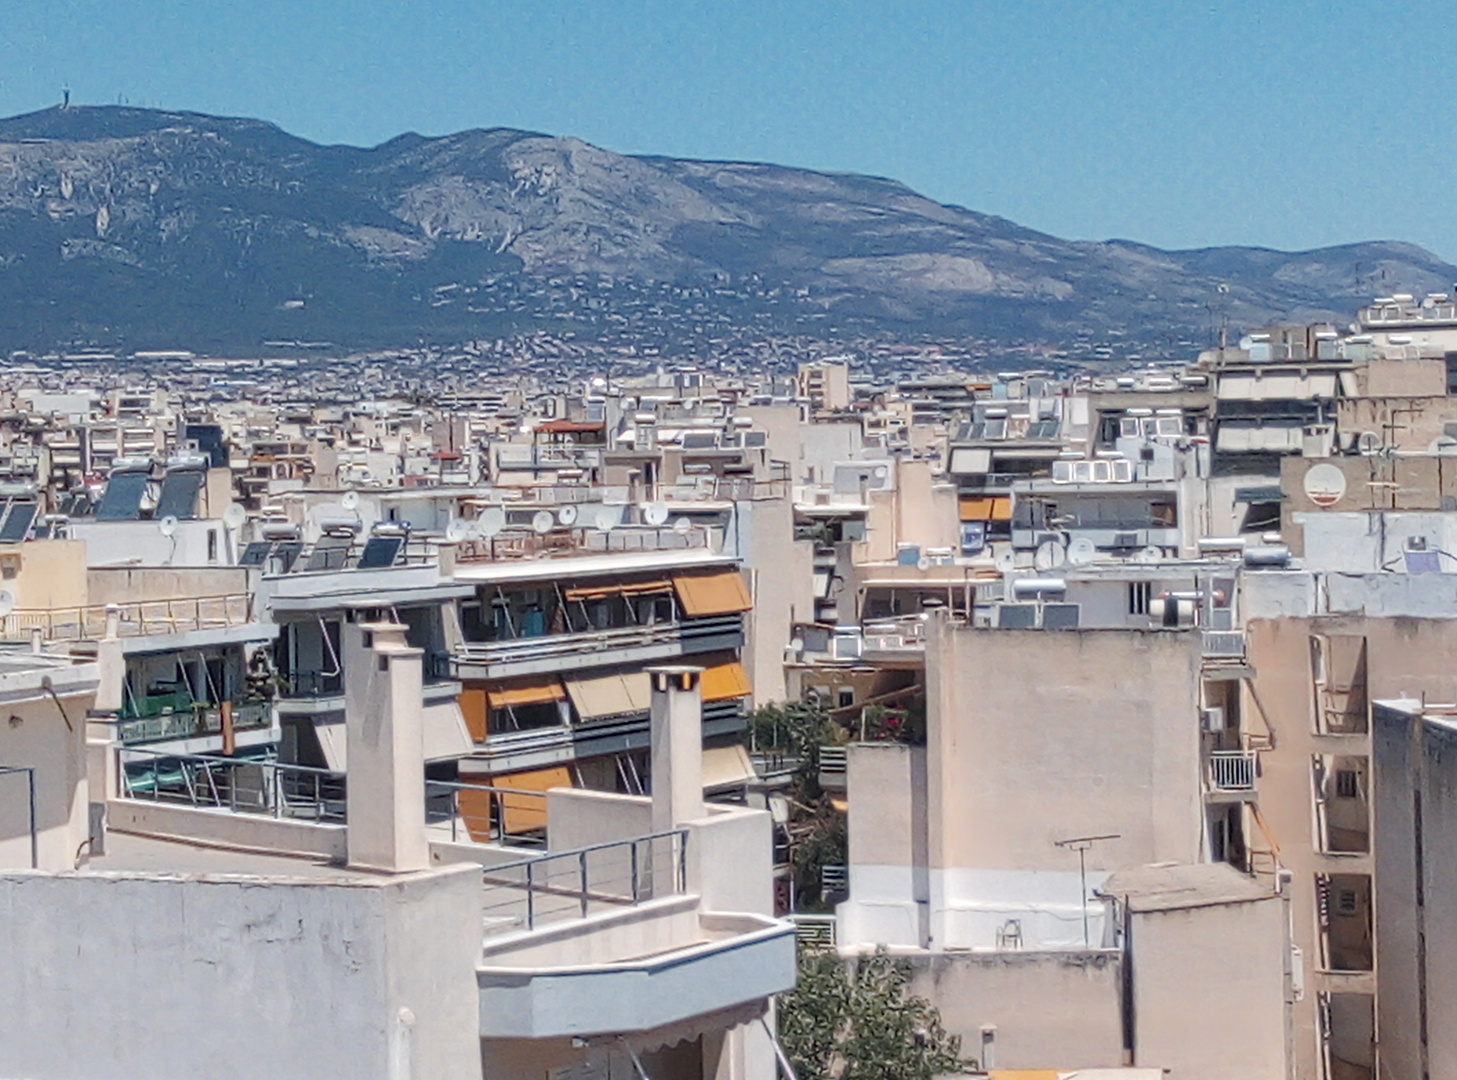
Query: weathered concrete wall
(1048, 1010)
(35, 734)
(1209, 991)
(253, 832)
(130, 584)
(887, 827)
(140, 976)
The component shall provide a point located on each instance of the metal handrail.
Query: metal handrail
(1232, 770)
(134, 619)
(205, 780)
(613, 874)
(496, 826)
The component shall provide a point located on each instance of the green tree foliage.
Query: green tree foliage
(857, 1020)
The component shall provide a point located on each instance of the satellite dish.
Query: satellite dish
(567, 515)
(1325, 484)
(168, 525)
(1368, 443)
(1050, 555)
(350, 500)
(923, 563)
(491, 521)
(656, 513)
(1150, 554)
(1081, 552)
(1006, 561)
(682, 526)
(606, 519)
(541, 522)
(235, 516)
(7, 602)
(457, 531)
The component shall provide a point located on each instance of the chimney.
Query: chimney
(385, 749)
(677, 746)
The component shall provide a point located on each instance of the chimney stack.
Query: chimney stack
(385, 749)
(677, 746)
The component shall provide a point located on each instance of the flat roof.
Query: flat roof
(1176, 886)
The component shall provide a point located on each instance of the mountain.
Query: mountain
(137, 228)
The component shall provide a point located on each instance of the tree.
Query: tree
(857, 1020)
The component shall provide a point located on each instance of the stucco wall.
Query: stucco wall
(1209, 991)
(136, 976)
(1049, 1010)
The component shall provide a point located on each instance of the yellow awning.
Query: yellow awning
(610, 695)
(520, 813)
(725, 681)
(531, 694)
(986, 508)
(726, 767)
(720, 593)
(631, 588)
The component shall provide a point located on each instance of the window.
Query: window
(1338, 670)
(212, 545)
(1347, 784)
(1139, 595)
(845, 696)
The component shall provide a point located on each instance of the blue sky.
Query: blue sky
(1282, 124)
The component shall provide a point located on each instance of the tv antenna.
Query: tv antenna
(1080, 844)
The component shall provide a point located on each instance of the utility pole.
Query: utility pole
(1080, 844)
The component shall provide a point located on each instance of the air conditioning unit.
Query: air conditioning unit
(1212, 718)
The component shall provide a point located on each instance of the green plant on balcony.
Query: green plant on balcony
(856, 1019)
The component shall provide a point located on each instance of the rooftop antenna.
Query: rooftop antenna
(1080, 844)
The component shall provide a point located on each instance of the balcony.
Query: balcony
(140, 619)
(554, 653)
(192, 721)
(1232, 773)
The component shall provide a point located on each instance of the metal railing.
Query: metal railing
(477, 814)
(133, 620)
(816, 932)
(1225, 644)
(197, 722)
(546, 646)
(240, 785)
(1232, 770)
(900, 635)
(566, 885)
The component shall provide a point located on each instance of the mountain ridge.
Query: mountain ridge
(144, 228)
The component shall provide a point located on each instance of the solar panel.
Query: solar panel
(287, 553)
(122, 500)
(179, 494)
(18, 518)
(255, 553)
(330, 553)
(380, 551)
(41, 532)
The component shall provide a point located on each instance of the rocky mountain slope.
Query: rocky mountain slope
(138, 228)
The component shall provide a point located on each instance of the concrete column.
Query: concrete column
(677, 746)
(385, 749)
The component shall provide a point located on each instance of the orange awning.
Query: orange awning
(538, 693)
(522, 806)
(986, 508)
(633, 588)
(720, 593)
(725, 681)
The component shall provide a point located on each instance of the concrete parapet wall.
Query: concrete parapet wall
(249, 832)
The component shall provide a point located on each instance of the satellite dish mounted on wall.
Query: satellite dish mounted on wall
(682, 526)
(1049, 556)
(350, 500)
(1081, 552)
(457, 531)
(7, 602)
(541, 522)
(235, 516)
(656, 513)
(567, 515)
(167, 526)
(491, 521)
(606, 519)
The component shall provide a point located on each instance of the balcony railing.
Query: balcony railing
(900, 635)
(532, 893)
(240, 785)
(1224, 644)
(173, 616)
(474, 813)
(1232, 770)
(548, 646)
(199, 721)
